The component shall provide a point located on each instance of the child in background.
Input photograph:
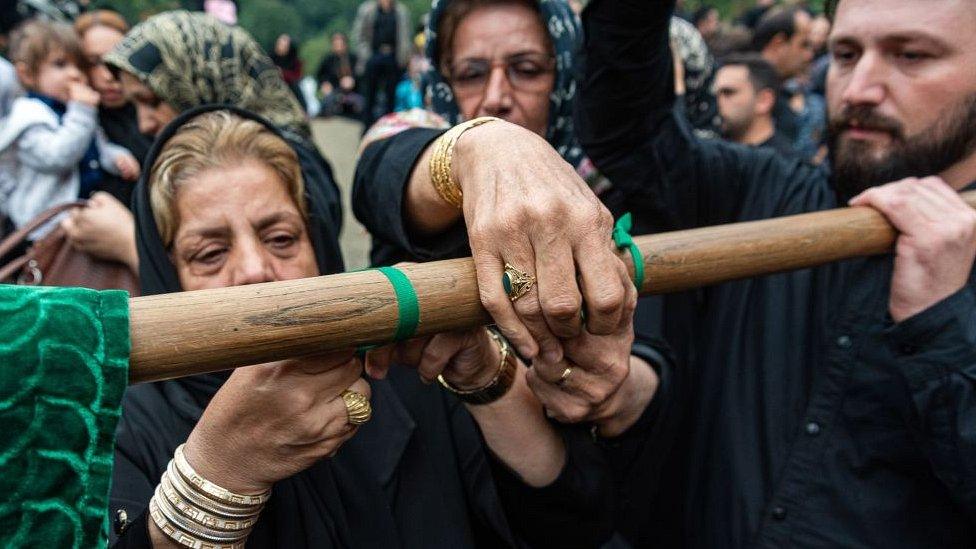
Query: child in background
(409, 94)
(51, 141)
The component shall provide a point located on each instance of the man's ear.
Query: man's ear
(765, 101)
(25, 75)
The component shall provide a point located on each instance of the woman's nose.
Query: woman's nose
(251, 264)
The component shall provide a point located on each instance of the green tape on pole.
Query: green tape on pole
(408, 308)
(622, 239)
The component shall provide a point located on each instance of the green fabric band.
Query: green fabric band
(408, 308)
(622, 238)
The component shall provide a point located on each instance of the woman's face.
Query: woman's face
(282, 44)
(96, 42)
(238, 225)
(153, 113)
(501, 65)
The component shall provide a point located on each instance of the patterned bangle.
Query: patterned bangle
(441, 174)
(212, 490)
(181, 537)
(188, 526)
(499, 385)
(202, 516)
(190, 494)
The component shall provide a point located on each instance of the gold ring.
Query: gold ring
(357, 406)
(565, 377)
(516, 282)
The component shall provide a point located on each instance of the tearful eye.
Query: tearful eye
(209, 257)
(282, 241)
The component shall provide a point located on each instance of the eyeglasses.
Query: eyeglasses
(525, 71)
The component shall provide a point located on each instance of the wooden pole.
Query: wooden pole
(189, 333)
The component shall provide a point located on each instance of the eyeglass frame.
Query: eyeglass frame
(506, 63)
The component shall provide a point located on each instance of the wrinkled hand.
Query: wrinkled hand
(83, 93)
(347, 83)
(128, 167)
(271, 421)
(532, 210)
(105, 229)
(467, 359)
(606, 385)
(937, 244)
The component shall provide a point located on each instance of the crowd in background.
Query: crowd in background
(809, 408)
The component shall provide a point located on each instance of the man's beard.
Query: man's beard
(857, 166)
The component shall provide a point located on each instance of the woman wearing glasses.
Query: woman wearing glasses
(508, 59)
(509, 185)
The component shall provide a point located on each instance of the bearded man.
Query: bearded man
(829, 407)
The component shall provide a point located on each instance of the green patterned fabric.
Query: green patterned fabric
(64, 355)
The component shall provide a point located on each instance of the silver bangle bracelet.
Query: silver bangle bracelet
(191, 528)
(180, 537)
(189, 493)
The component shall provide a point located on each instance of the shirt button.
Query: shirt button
(779, 513)
(844, 342)
(121, 521)
(908, 349)
(93, 164)
(813, 428)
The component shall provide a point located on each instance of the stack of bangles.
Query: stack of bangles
(197, 513)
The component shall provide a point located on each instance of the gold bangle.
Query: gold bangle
(212, 490)
(441, 174)
(173, 532)
(499, 385)
(201, 516)
(190, 494)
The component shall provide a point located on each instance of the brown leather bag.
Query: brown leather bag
(53, 261)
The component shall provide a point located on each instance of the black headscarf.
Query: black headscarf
(156, 272)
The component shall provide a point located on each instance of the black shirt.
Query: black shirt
(122, 128)
(385, 30)
(779, 143)
(417, 475)
(334, 67)
(811, 419)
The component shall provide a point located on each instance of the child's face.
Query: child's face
(55, 76)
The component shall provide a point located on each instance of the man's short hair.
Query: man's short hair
(762, 74)
(774, 22)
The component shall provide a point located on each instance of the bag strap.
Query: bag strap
(22, 233)
(12, 268)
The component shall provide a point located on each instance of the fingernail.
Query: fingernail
(553, 356)
(426, 381)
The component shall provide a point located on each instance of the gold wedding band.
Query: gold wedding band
(565, 377)
(357, 406)
(516, 282)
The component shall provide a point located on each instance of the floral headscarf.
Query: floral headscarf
(192, 59)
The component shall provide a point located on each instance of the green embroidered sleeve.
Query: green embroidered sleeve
(63, 369)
